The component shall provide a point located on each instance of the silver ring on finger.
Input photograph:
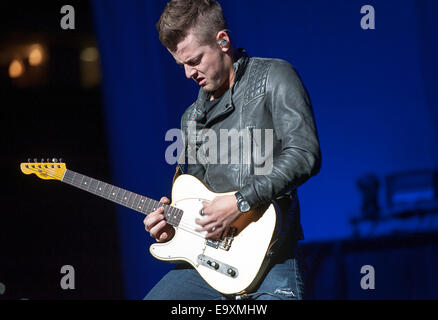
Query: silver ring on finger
(213, 228)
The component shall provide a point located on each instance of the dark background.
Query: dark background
(375, 101)
(46, 225)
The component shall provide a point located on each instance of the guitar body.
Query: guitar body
(244, 255)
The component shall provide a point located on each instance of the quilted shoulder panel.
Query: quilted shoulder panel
(258, 74)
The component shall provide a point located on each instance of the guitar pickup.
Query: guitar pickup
(213, 243)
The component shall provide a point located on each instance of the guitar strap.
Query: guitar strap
(178, 172)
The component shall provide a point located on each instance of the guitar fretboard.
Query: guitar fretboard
(121, 196)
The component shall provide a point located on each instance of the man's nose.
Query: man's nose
(189, 71)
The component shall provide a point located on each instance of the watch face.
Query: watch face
(243, 206)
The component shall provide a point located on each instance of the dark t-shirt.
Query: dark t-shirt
(211, 108)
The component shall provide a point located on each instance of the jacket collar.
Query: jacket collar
(239, 69)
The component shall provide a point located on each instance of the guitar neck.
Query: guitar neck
(121, 196)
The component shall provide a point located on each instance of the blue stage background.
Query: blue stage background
(373, 91)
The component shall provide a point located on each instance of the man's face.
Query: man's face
(202, 63)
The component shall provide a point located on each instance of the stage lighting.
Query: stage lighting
(16, 68)
(36, 55)
(90, 54)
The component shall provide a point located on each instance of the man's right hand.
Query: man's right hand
(157, 227)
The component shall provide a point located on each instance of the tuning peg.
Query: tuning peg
(35, 160)
(29, 160)
(61, 160)
(54, 160)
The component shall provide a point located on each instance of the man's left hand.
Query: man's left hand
(219, 215)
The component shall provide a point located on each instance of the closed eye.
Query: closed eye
(195, 61)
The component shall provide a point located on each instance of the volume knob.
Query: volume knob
(231, 272)
(213, 264)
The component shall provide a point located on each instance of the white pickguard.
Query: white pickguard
(247, 250)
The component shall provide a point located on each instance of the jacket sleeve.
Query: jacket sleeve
(294, 126)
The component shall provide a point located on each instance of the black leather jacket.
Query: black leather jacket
(267, 94)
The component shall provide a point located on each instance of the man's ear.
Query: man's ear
(223, 40)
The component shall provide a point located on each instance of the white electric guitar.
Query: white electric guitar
(233, 265)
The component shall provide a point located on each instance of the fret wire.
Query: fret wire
(151, 205)
(95, 183)
(141, 204)
(144, 208)
(155, 204)
(124, 196)
(176, 216)
(168, 217)
(114, 193)
(97, 188)
(148, 205)
(137, 204)
(174, 212)
(129, 199)
(171, 216)
(73, 180)
(105, 192)
(171, 211)
(117, 195)
(77, 177)
(91, 182)
(111, 192)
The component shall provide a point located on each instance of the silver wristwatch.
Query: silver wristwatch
(242, 204)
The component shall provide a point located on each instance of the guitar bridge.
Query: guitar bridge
(224, 244)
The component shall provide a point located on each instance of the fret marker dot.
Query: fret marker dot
(85, 183)
(126, 198)
(142, 200)
(100, 188)
(113, 193)
(139, 207)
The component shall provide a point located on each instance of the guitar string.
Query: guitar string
(52, 173)
(192, 227)
(183, 226)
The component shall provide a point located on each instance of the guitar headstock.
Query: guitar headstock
(53, 170)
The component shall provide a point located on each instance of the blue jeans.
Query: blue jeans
(284, 281)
